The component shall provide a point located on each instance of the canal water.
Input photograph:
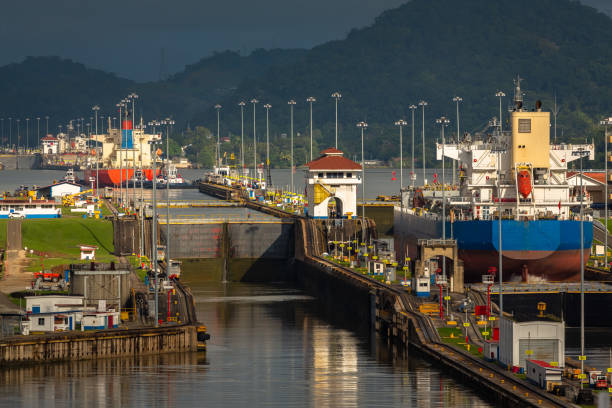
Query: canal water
(271, 345)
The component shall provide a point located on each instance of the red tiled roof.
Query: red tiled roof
(333, 163)
(330, 150)
(543, 363)
(595, 175)
(49, 138)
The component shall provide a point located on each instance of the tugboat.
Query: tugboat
(519, 172)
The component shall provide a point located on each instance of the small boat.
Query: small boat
(69, 176)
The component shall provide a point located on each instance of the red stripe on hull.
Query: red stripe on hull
(113, 177)
(551, 266)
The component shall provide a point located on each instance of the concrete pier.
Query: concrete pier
(99, 344)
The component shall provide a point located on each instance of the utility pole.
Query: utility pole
(401, 123)
(241, 104)
(254, 102)
(456, 99)
(291, 104)
(310, 100)
(362, 125)
(423, 104)
(269, 178)
(336, 95)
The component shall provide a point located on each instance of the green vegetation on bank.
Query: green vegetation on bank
(3, 233)
(422, 50)
(55, 241)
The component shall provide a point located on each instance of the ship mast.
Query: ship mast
(518, 95)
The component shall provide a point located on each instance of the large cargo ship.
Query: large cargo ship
(519, 174)
(122, 152)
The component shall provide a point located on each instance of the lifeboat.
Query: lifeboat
(524, 183)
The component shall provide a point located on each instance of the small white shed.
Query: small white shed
(88, 252)
(542, 340)
(543, 374)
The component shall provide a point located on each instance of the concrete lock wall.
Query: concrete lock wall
(100, 285)
(232, 240)
(193, 240)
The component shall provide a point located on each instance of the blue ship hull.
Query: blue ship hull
(549, 249)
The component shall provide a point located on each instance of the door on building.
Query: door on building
(110, 322)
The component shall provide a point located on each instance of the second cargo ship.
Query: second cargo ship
(519, 173)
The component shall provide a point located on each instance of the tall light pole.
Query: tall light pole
(443, 122)
(2, 127)
(423, 104)
(362, 125)
(18, 133)
(500, 95)
(269, 176)
(456, 99)
(241, 104)
(120, 106)
(336, 95)
(96, 108)
(412, 173)
(555, 113)
(154, 143)
(291, 104)
(606, 122)
(310, 100)
(27, 143)
(132, 97)
(38, 131)
(169, 122)
(47, 120)
(500, 255)
(10, 133)
(254, 102)
(218, 159)
(582, 356)
(401, 123)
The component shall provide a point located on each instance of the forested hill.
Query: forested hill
(436, 49)
(426, 50)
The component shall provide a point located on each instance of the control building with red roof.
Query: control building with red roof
(331, 185)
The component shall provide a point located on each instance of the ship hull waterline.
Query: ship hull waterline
(113, 177)
(544, 249)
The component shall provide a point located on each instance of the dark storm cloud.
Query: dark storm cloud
(126, 36)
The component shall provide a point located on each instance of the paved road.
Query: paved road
(13, 235)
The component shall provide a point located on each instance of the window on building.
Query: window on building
(41, 321)
(349, 175)
(524, 125)
(320, 175)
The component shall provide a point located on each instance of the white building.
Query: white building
(101, 320)
(50, 144)
(59, 303)
(60, 189)
(543, 374)
(52, 313)
(331, 185)
(542, 340)
(88, 252)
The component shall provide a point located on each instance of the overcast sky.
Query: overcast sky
(126, 37)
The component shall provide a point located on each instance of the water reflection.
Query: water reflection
(270, 346)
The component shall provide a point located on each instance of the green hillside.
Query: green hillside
(434, 50)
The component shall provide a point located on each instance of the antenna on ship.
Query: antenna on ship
(518, 95)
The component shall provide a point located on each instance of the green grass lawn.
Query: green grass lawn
(458, 339)
(3, 233)
(55, 240)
